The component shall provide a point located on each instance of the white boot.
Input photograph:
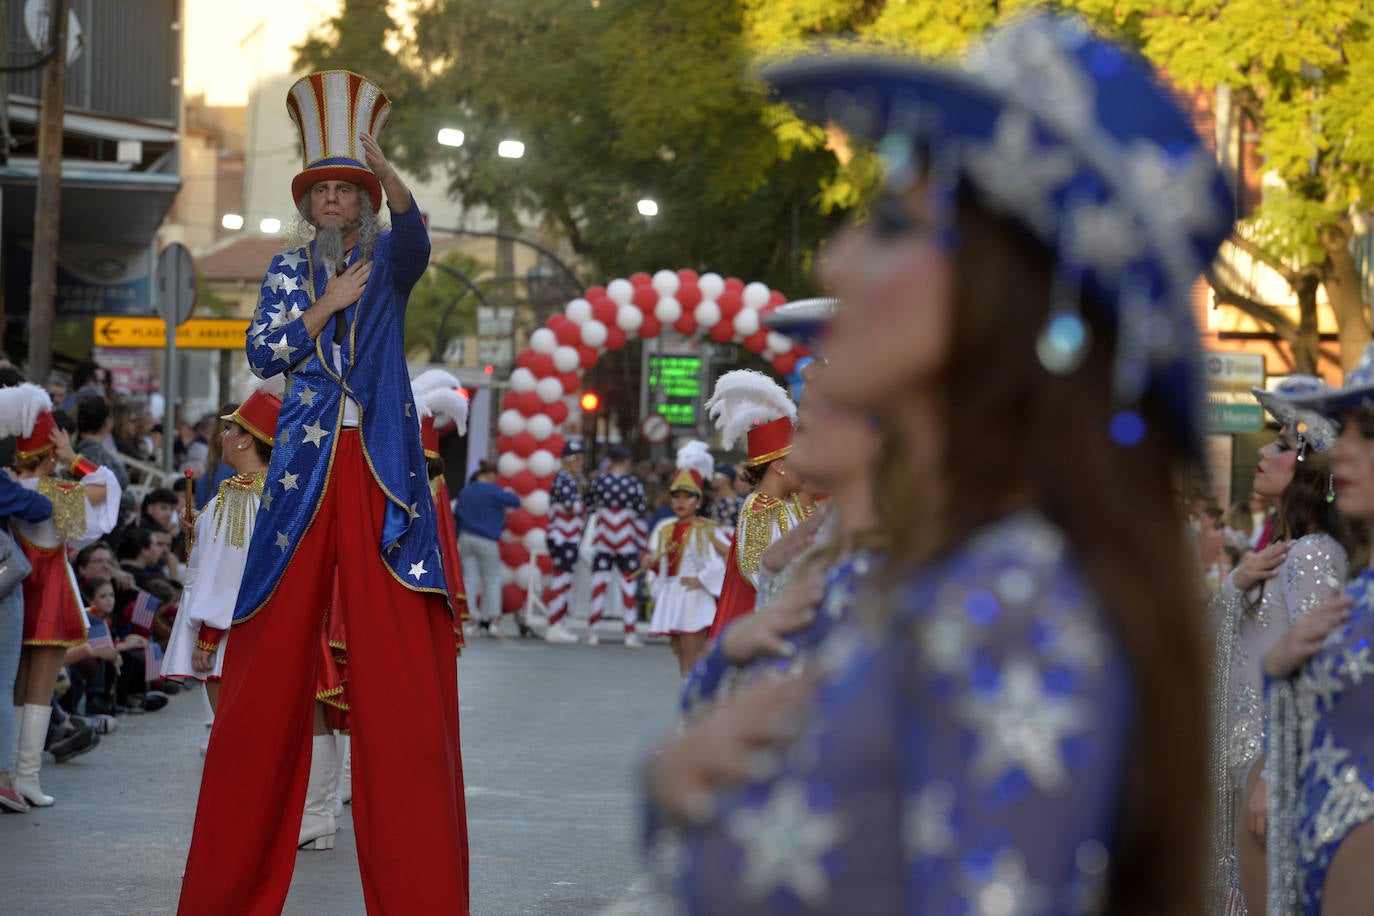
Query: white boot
(345, 770)
(317, 821)
(331, 781)
(33, 733)
(18, 729)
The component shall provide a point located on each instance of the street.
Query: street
(552, 740)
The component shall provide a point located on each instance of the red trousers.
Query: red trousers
(408, 808)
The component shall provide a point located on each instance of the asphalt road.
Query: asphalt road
(552, 740)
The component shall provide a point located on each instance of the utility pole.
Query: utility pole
(48, 200)
(4, 85)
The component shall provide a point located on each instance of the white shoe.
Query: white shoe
(559, 632)
(33, 732)
(317, 821)
(591, 638)
(632, 641)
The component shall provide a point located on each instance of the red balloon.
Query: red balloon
(519, 521)
(554, 444)
(504, 444)
(723, 332)
(571, 381)
(523, 444)
(734, 284)
(757, 342)
(687, 274)
(569, 333)
(528, 403)
(776, 298)
(545, 563)
(544, 484)
(508, 401)
(615, 337)
(730, 303)
(587, 355)
(689, 294)
(604, 311)
(557, 411)
(522, 359)
(651, 327)
(524, 482)
(594, 292)
(503, 481)
(513, 553)
(512, 598)
(641, 279)
(784, 363)
(556, 320)
(646, 297)
(541, 364)
(687, 324)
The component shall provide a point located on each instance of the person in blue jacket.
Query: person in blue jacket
(481, 512)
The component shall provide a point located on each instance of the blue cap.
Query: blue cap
(618, 453)
(573, 447)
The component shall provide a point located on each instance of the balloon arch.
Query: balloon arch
(605, 318)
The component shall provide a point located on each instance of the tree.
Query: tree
(443, 305)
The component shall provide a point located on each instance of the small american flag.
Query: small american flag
(99, 636)
(152, 662)
(142, 611)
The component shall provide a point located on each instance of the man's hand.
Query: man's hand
(375, 158)
(397, 194)
(345, 289)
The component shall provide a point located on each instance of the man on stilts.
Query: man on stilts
(346, 491)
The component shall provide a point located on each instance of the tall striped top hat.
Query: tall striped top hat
(331, 109)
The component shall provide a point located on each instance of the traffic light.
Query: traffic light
(590, 402)
(488, 369)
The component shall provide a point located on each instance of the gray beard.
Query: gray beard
(329, 244)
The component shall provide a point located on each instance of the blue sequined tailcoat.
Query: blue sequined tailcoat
(372, 372)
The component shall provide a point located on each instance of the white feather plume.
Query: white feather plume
(431, 379)
(444, 402)
(20, 408)
(274, 385)
(696, 456)
(745, 398)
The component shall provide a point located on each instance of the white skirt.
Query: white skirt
(181, 645)
(678, 609)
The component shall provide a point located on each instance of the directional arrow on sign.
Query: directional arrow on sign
(107, 331)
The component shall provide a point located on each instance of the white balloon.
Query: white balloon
(550, 389)
(534, 541)
(526, 575)
(579, 310)
(668, 310)
(536, 502)
(629, 318)
(522, 380)
(756, 295)
(594, 334)
(507, 575)
(666, 283)
(746, 322)
(779, 343)
(511, 423)
(540, 426)
(509, 464)
(566, 359)
(711, 286)
(543, 341)
(542, 464)
(707, 314)
(620, 291)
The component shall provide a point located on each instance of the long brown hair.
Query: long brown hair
(1306, 508)
(1016, 435)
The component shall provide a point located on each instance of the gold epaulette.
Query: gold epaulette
(755, 530)
(68, 506)
(236, 503)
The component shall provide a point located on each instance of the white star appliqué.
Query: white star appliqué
(292, 259)
(273, 280)
(783, 843)
(290, 284)
(294, 312)
(315, 433)
(1005, 890)
(278, 320)
(308, 396)
(1021, 725)
(282, 540)
(282, 349)
(417, 570)
(289, 481)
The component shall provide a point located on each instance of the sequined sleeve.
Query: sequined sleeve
(276, 338)
(1013, 744)
(1315, 570)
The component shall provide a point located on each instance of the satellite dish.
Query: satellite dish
(36, 15)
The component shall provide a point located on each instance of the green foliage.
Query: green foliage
(443, 306)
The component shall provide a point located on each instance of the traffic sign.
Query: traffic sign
(197, 334)
(655, 429)
(1224, 368)
(1224, 416)
(176, 283)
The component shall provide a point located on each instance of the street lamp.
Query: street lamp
(232, 221)
(270, 226)
(648, 207)
(510, 149)
(451, 136)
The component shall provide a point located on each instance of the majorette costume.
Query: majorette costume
(440, 400)
(967, 750)
(617, 503)
(686, 547)
(346, 489)
(567, 523)
(1248, 625)
(54, 614)
(219, 551)
(750, 403)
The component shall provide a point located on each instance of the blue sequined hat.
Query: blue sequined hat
(1287, 403)
(1074, 140)
(1355, 395)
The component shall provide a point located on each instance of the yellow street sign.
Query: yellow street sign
(151, 333)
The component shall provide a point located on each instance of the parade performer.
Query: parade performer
(1305, 564)
(440, 400)
(748, 403)
(616, 499)
(687, 561)
(1320, 703)
(1015, 722)
(54, 614)
(567, 520)
(346, 490)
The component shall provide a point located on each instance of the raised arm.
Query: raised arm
(409, 250)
